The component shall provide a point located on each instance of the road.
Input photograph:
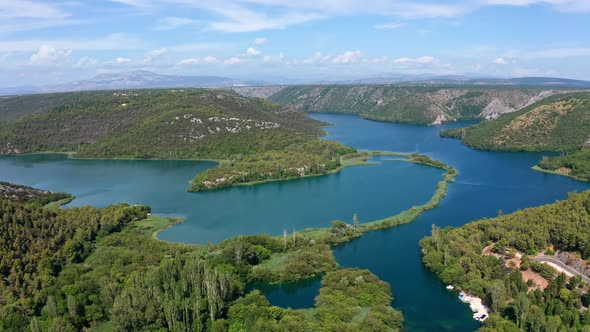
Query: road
(549, 259)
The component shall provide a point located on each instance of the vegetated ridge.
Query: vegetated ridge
(559, 123)
(411, 104)
(256, 139)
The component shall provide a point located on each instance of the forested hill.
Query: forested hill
(411, 104)
(24, 194)
(559, 123)
(257, 139)
(495, 259)
(154, 124)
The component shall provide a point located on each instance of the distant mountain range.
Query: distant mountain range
(548, 82)
(142, 79)
(139, 79)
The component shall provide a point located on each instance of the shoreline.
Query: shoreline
(542, 170)
(404, 217)
(71, 154)
(401, 218)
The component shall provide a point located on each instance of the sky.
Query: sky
(48, 42)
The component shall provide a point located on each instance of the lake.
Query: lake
(488, 182)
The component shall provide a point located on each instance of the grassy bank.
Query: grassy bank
(548, 171)
(57, 204)
(408, 215)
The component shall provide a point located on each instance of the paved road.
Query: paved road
(549, 259)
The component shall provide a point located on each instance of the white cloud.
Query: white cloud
(251, 51)
(154, 54)
(17, 26)
(29, 9)
(348, 57)
(210, 59)
(195, 61)
(500, 61)
(86, 62)
(172, 23)
(258, 15)
(390, 26)
(421, 60)
(232, 61)
(378, 60)
(257, 22)
(260, 41)
(561, 5)
(111, 42)
(279, 58)
(316, 58)
(121, 60)
(560, 53)
(49, 55)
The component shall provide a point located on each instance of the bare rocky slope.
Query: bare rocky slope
(409, 104)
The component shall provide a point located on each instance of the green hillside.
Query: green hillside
(559, 123)
(494, 259)
(175, 124)
(410, 104)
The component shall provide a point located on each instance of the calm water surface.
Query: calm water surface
(488, 182)
(373, 191)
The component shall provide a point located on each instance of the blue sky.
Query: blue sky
(44, 42)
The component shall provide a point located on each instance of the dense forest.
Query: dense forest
(254, 139)
(558, 123)
(501, 277)
(101, 269)
(411, 104)
(576, 164)
(315, 157)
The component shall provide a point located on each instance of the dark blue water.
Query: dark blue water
(297, 295)
(488, 182)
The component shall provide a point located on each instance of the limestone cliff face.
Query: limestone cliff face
(410, 104)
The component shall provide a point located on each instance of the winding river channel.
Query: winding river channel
(488, 182)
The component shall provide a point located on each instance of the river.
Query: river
(488, 182)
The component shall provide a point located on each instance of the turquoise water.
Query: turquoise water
(488, 182)
(373, 192)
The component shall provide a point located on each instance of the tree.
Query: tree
(521, 306)
(498, 295)
(285, 239)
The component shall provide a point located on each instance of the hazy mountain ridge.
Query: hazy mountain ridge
(139, 79)
(142, 79)
(558, 123)
(412, 104)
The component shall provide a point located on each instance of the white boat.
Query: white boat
(462, 297)
(450, 287)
